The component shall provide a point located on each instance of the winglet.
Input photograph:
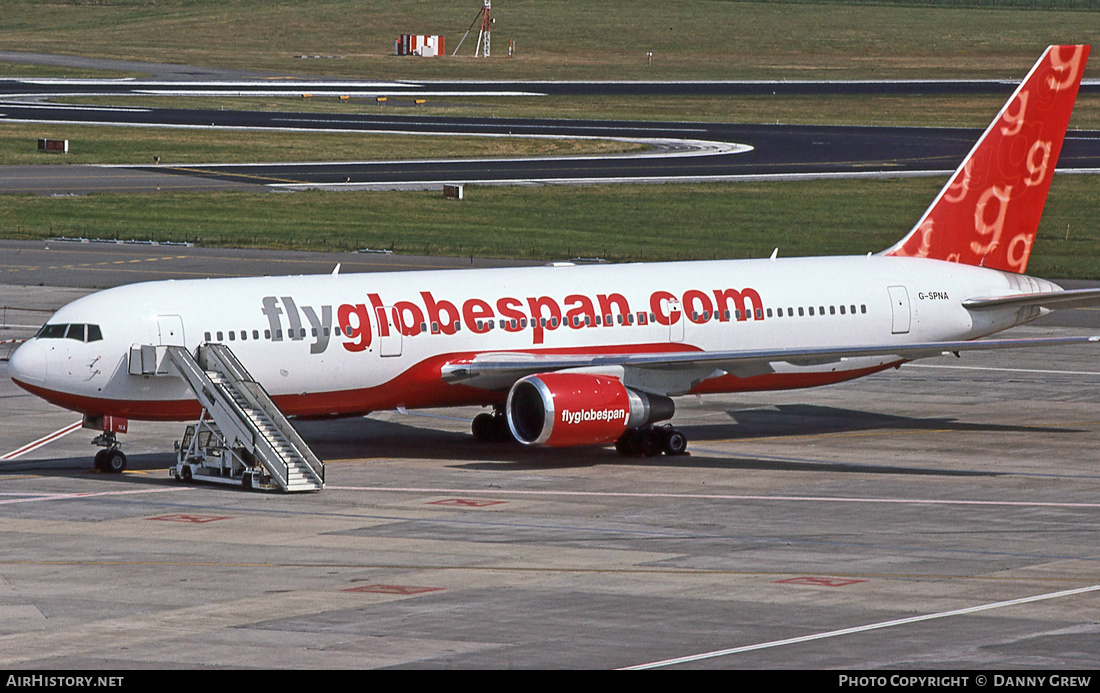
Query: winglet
(989, 211)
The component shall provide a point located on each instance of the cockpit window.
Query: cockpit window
(52, 331)
(78, 331)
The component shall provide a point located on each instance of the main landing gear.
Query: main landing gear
(110, 459)
(649, 441)
(492, 428)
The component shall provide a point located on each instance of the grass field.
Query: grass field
(125, 145)
(621, 222)
(559, 39)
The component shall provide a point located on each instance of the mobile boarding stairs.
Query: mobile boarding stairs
(241, 436)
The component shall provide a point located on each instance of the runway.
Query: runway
(940, 516)
(678, 151)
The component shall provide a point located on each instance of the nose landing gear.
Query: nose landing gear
(110, 459)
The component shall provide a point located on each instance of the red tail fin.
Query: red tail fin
(989, 211)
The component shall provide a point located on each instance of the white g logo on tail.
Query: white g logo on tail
(1016, 119)
(1065, 70)
(994, 229)
(1037, 172)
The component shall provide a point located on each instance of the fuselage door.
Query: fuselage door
(389, 331)
(675, 320)
(171, 330)
(899, 306)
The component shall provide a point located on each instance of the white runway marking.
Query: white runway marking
(706, 496)
(862, 629)
(44, 440)
(78, 496)
(1007, 370)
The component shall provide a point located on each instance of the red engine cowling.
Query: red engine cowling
(567, 409)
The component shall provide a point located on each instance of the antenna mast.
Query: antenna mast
(486, 23)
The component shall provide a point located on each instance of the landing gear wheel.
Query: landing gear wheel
(101, 460)
(625, 444)
(491, 428)
(484, 428)
(114, 462)
(641, 442)
(675, 442)
(650, 442)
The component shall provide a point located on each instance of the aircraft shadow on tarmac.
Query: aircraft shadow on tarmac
(396, 439)
(414, 437)
(809, 419)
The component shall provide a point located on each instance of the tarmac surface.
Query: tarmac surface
(940, 516)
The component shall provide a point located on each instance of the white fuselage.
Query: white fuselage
(348, 344)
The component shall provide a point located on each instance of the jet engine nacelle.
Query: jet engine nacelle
(565, 409)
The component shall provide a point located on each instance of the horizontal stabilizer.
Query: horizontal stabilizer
(1075, 298)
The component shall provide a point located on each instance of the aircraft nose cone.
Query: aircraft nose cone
(28, 364)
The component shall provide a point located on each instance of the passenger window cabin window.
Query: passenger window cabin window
(220, 337)
(832, 310)
(232, 335)
(256, 334)
(842, 310)
(811, 310)
(863, 308)
(267, 334)
(206, 336)
(759, 314)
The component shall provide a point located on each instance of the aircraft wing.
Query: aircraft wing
(1074, 298)
(500, 370)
